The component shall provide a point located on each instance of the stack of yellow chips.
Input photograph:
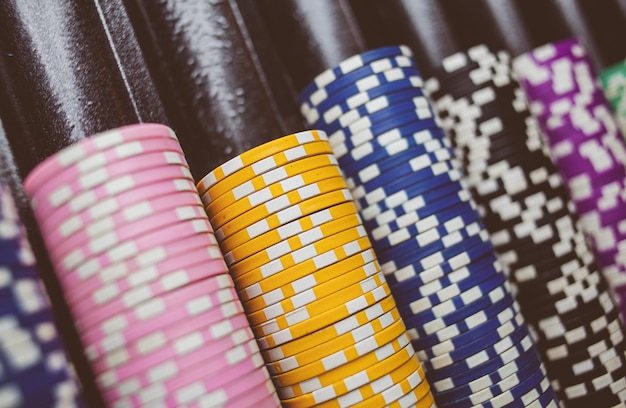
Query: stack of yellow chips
(303, 265)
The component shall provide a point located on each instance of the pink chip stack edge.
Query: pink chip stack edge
(141, 271)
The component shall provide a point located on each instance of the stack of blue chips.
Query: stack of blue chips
(427, 233)
(34, 371)
(527, 209)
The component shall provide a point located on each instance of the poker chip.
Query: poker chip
(302, 263)
(527, 209)
(613, 80)
(426, 231)
(34, 367)
(142, 273)
(587, 145)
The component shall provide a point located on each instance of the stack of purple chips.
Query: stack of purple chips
(585, 144)
(34, 371)
(526, 208)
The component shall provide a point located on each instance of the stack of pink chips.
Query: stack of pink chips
(146, 283)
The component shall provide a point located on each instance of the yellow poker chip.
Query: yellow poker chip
(252, 157)
(290, 309)
(272, 261)
(343, 387)
(317, 376)
(299, 324)
(337, 352)
(287, 215)
(372, 388)
(313, 289)
(275, 245)
(292, 175)
(282, 363)
(281, 347)
(308, 266)
(275, 206)
(282, 286)
(271, 194)
(355, 296)
(240, 239)
(344, 374)
(414, 387)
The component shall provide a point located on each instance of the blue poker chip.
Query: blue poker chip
(353, 63)
(338, 131)
(388, 143)
(13, 252)
(401, 165)
(405, 186)
(415, 305)
(534, 382)
(394, 119)
(416, 248)
(431, 308)
(520, 339)
(398, 260)
(382, 102)
(406, 175)
(461, 392)
(408, 276)
(41, 351)
(487, 307)
(375, 205)
(420, 218)
(449, 222)
(335, 107)
(361, 79)
(445, 274)
(465, 399)
(466, 342)
(392, 234)
(459, 336)
(419, 221)
(39, 390)
(518, 354)
(351, 91)
(434, 152)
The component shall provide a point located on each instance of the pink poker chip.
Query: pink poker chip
(113, 188)
(117, 358)
(92, 247)
(202, 380)
(137, 312)
(69, 222)
(76, 228)
(109, 304)
(241, 394)
(191, 351)
(135, 213)
(131, 330)
(152, 257)
(132, 248)
(174, 271)
(86, 148)
(61, 189)
(143, 274)
(248, 371)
